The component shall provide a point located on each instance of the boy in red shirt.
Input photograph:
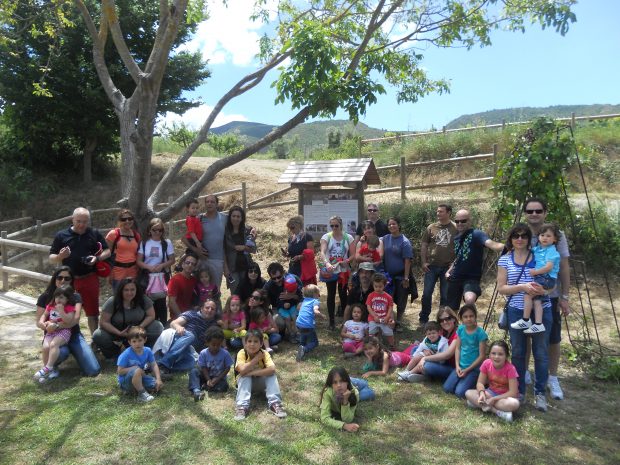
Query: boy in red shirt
(380, 306)
(192, 222)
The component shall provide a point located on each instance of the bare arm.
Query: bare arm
(179, 325)
(504, 288)
(565, 281)
(542, 270)
(491, 244)
(441, 356)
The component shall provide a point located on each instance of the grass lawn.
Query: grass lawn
(88, 421)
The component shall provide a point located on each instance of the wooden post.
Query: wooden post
(5, 262)
(39, 240)
(403, 178)
(494, 159)
(572, 122)
(244, 196)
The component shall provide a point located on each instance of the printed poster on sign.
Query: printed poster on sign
(319, 207)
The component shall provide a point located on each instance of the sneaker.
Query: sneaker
(269, 350)
(274, 348)
(506, 416)
(300, 354)
(402, 375)
(415, 378)
(528, 377)
(277, 409)
(553, 384)
(535, 329)
(198, 395)
(521, 324)
(144, 397)
(43, 373)
(53, 374)
(541, 402)
(241, 413)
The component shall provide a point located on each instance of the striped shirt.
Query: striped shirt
(514, 270)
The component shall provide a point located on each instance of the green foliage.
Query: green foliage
(333, 137)
(597, 239)
(535, 167)
(180, 134)
(607, 369)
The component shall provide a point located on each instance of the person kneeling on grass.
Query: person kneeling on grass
(256, 372)
(213, 365)
(433, 343)
(501, 395)
(339, 399)
(134, 363)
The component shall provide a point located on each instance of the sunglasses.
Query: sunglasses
(334, 226)
(446, 319)
(519, 236)
(461, 221)
(157, 230)
(64, 278)
(252, 271)
(255, 297)
(128, 218)
(373, 210)
(538, 211)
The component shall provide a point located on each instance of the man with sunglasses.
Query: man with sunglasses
(372, 214)
(535, 211)
(465, 273)
(276, 292)
(76, 247)
(437, 253)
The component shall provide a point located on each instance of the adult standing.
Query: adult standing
(465, 273)
(298, 241)
(181, 287)
(213, 229)
(535, 210)
(372, 214)
(126, 308)
(436, 254)
(239, 242)
(76, 247)
(123, 241)
(337, 251)
(77, 345)
(156, 255)
(397, 256)
(514, 280)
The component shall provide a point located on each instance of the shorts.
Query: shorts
(63, 333)
(125, 383)
(88, 288)
(555, 333)
(458, 287)
(546, 281)
(385, 329)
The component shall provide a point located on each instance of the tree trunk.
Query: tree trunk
(89, 150)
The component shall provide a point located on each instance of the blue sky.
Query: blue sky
(538, 69)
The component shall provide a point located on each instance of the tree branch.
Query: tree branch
(223, 163)
(108, 9)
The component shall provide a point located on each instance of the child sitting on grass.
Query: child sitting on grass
(380, 360)
(432, 344)
(214, 363)
(353, 332)
(256, 372)
(134, 363)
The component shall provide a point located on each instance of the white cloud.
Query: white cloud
(228, 36)
(195, 118)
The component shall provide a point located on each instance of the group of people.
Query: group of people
(372, 274)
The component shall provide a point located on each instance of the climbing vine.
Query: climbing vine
(535, 167)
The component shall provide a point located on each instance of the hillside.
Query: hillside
(511, 115)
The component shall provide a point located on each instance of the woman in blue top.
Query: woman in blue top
(514, 280)
(397, 256)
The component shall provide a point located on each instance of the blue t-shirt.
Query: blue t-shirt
(470, 345)
(215, 364)
(130, 359)
(469, 253)
(395, 251)
(547, 254)
(305, 318)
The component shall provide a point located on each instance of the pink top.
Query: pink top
(498, 379)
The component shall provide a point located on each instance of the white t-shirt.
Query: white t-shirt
(152, 251)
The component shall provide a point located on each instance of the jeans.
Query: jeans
(178, 357)
(274, 339)
(458, 386)
(308, 339)
(438, 371)
(126, 385)
(540, 349)
(366, 392)
(433, 274)
(399, 295)
(83, 354)
(197, 381)
(246, 385)
(105, 340)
